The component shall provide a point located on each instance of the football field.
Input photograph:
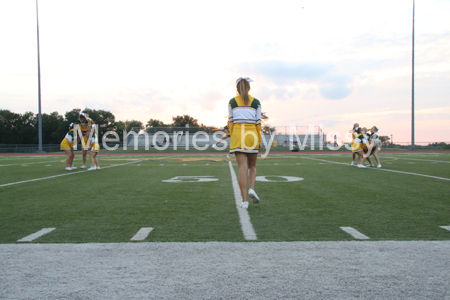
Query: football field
(170, 227)
(193, 198)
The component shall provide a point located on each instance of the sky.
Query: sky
(326, 63)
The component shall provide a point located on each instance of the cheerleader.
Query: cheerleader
(227, 135)
(93, 151)
(358, 146)
(354, 135)
(67, 146)
(366, 135)
(244, 112)
(86, 124)
(375, 145)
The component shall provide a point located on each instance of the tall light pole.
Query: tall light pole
(39, 83)
(412, 88)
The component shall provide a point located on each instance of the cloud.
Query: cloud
(335, 91)
(284, 72)
(280, 93)
(332, 83)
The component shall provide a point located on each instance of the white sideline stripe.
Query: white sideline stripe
(142, 234)
(244, 218)
(36, 235)
(381, 169)
(30, 163)
(447, 162)
(71, 173)
(445, 227)
(355, 233)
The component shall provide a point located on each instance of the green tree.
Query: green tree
(384, 139)
(54, 128)
(72, 116)
(264, 118)
(133, 125)
(267, 129)
(182, 121)
(119, 127)
(27, 129)
(9, 126)
(155, 123)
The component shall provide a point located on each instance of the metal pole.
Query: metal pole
(412, 88)
(39, 82)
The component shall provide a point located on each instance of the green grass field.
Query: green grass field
(112, 204)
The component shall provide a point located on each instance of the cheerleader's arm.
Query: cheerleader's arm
(230, 119)
(258, 123)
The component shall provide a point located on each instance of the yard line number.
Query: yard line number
(267, 178)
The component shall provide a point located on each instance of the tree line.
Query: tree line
(18, 128)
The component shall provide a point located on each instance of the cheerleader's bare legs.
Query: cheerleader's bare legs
(375, 154)
(247, 169)
(69, 159)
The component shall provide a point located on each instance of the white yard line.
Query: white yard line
(382, 169)
(355, 233)
(29, 163)
(71, 173)
(447, 162)
(36, 235)
(142, 234)
(244, 218)
(445, 227)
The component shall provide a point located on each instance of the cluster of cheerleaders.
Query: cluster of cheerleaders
(365, 144)
(93, 146)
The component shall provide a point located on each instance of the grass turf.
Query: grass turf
(112, 204)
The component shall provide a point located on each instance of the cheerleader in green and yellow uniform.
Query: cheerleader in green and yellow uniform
(358, 146)
(354, 135)
(244, 113)
(93, 151)
(375, 145)
(67, 146)
(86, 124)
(366, 146)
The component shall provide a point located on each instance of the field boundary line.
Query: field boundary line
(36, 235)
(355, 233)
(381, 169)
(244, 218)
(65, 174)
(441, 161)
(31, 163)
(142, 234)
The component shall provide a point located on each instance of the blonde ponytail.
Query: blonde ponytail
(243, 87)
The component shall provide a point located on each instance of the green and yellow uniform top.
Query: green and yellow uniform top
(359, 143)
(374, 136)
(67, 142)
(86, 124)
(354, 136)
(94, 147)
(244, 124)
(376, 139)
